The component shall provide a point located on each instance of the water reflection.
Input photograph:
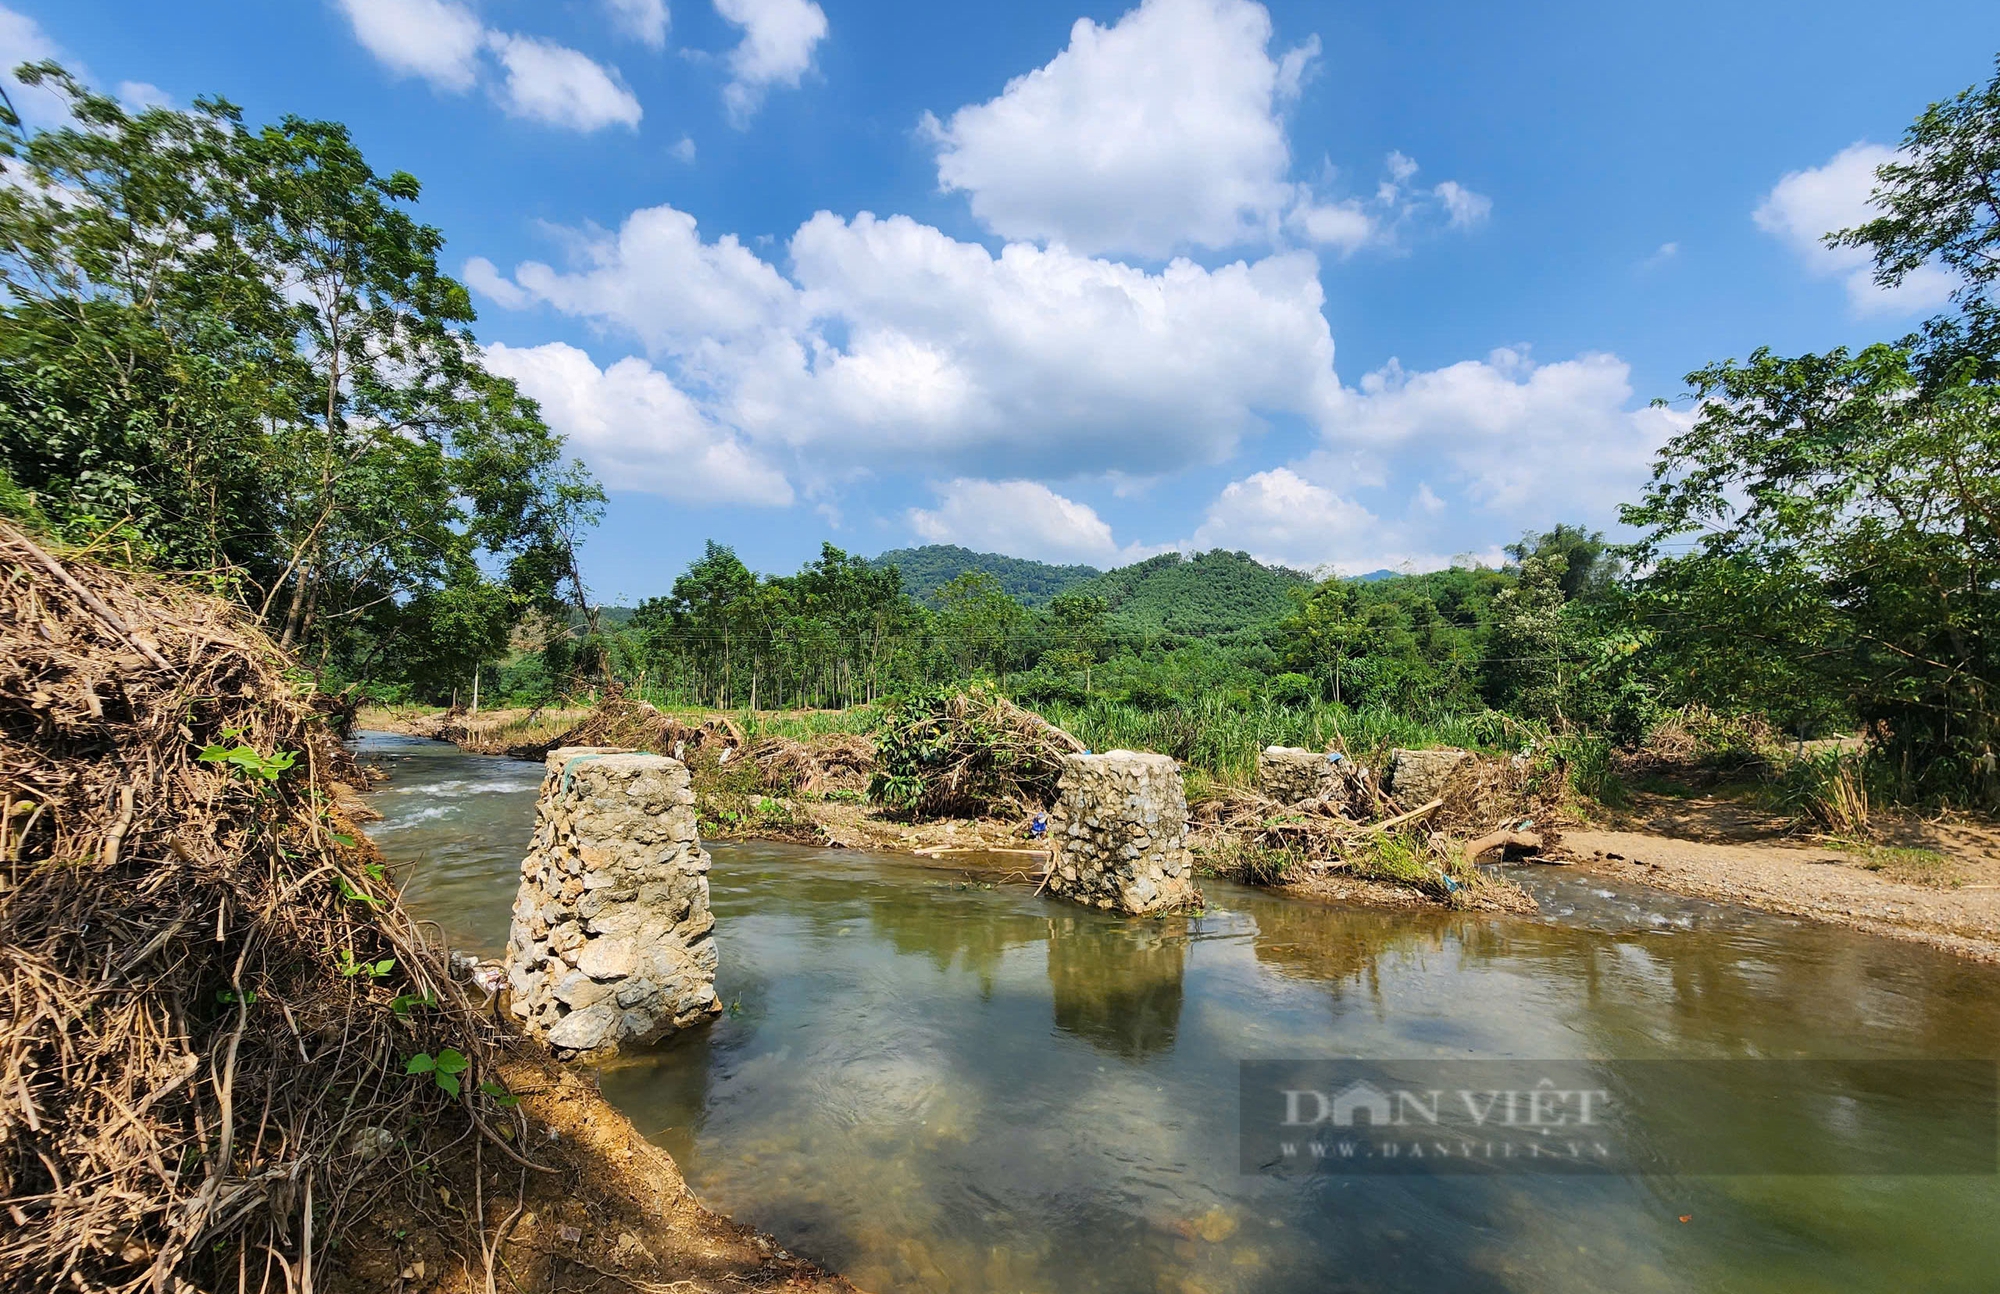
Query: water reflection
(1118, 986)
(934, 1087)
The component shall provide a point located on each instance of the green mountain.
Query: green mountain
(931, 567)
(1205, 595)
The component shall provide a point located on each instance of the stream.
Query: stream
(929, 1083)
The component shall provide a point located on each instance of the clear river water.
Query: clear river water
(930, 1083)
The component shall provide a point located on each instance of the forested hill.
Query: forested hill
(1201, 596)
(931, 567)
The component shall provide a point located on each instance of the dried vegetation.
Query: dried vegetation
(970, 754)
(228, 1060)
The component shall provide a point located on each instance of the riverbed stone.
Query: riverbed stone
(1419, 776)
(611, 942)
(1119, 828)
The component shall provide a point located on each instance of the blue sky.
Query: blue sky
(1351, 285)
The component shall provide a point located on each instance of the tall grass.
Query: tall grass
(1829, 789)
(1223, 739)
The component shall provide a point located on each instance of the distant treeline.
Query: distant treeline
(1216, 627)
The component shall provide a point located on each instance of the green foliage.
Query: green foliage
(245, 761)
(232, 351)
(1206, 595)
(954, 751)
(840, 632)
(927, 569)
(1937, 198)
(1412, 642)
(1588, 763)
(444, 1068)
(345, 963)
(498, 1094)
(1846, 553)
(1221, 736)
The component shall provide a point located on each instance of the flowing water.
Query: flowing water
(932, 1084)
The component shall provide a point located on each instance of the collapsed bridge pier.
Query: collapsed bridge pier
(1118, 834)
(611, 939)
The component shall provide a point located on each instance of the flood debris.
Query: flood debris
(627, 723)
(1319, 817)
(967, 754)
(836, 762)
(610, 944)
(199, 958)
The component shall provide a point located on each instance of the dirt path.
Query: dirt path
(1823, 883)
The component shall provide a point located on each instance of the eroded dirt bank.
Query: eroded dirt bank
(231, 1059)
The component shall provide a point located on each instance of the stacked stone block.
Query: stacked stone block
(610, 944)
(1119, 834)
(1292, 774)
(1419, 776)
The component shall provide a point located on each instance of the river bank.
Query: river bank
(1939, 886)
(234, 1059)
(732, 807)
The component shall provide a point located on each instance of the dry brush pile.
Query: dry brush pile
(969, 754)
(1356, 827)
(210, 1001)
(630, 724)
(833, 762)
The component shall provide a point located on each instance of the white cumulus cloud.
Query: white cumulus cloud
(1157, 132)
(560, 86)
(1416, 467)
(891, 343)
(437, 40)
(1805, 206)
(1160, 132)
(779, 37)
(1019, 518)
(1516, 438)
(1279, 516)
(22, 40)
(638, 430)
(645, 21)
(442, 41)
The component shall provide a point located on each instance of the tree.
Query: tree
(1079, 629)
(1940, 203)
(1844, 508)
(1848, 544)
(237, 345)
(1527, 666)
(979, 622)
(1591, 569)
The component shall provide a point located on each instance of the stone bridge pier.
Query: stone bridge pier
(1118, 834)
(610, 944)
